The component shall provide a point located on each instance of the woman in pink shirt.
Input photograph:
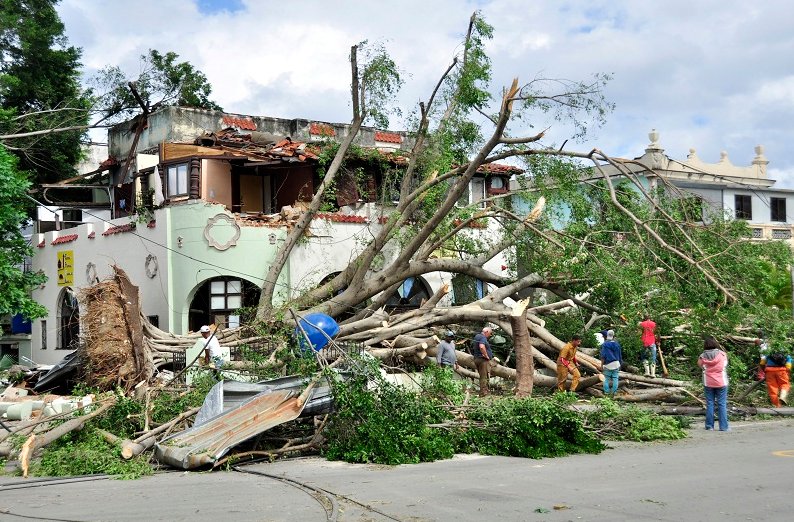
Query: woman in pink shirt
(714, 362)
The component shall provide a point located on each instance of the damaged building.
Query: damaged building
(193, 205)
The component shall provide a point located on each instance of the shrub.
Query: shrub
(612, 421)
(529, 427)
(86, 452)
(385, 425)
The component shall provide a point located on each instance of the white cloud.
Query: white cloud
(777, 91)
(714, 75)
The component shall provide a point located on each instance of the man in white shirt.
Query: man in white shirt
(212, 348)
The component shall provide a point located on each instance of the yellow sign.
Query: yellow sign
(66, 268)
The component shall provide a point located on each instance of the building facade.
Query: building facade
(193, 205)
(720, 189)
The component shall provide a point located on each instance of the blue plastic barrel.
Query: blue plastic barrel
(317, 327)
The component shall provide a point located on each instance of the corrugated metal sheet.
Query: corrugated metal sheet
(205, 444)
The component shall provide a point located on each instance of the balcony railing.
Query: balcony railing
(775, 231)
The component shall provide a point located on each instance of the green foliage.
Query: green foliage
(257, 363)
(17, 283)
(39, 88)
(167, 405)
(85, 452)
(144, 207)
(123, 418)
(440, 383)
(163, 81)
(380, 78)
(532, 428)
(378, 422)
(624, 270)
(385, 425)
(616, 422)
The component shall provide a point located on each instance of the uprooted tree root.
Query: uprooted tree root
(113, 353)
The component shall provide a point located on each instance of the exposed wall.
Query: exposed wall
(331, 246)
(253, 194)
(216, 182)
(179, 124)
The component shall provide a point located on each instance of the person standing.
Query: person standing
(481, 350)
(763, 348)
(776, 366)
(648, 346)
(567, 363)
(212, 348)
(446, 356)
(714, 362)
(611, 360)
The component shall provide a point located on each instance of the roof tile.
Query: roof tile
(129, 227)
(321, 129)
(64, 239)
(388, 137)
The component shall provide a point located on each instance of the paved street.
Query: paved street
(741, 475)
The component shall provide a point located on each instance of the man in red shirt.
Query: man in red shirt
(648, 346)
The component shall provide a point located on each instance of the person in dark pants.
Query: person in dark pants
(446, 351)
(481, 350)
(714, 362)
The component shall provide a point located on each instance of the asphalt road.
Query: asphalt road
(744, 474)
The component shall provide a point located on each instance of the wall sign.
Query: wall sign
(66, 267)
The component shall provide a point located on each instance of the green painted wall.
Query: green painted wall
(191, 260)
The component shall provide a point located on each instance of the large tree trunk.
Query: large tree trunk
(264, 309)
(525, 366)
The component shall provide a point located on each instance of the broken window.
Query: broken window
(410, 295)
(177, 180)
(475, 193)
(478, 191)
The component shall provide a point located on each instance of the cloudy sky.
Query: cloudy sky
(712, 75)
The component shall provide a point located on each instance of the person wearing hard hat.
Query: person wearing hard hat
(446, 356)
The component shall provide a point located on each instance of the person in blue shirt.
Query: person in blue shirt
(611, 360)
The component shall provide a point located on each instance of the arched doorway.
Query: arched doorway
(219, 301)
(68, 320)
(409, 296)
